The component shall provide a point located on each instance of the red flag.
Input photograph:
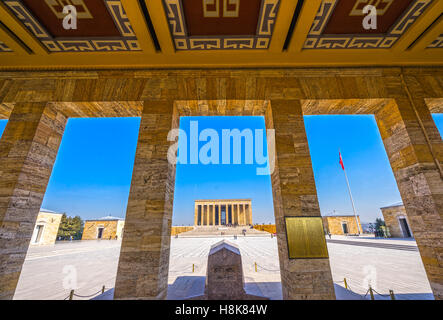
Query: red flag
(341, 161)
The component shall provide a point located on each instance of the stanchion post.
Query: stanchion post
(371, 292)
(193, 267)
(346, 283)
(255, 263)
(391, 293)
(71, 295)
(103, 289)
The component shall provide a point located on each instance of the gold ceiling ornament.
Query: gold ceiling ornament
(54, 4)
(357, 10)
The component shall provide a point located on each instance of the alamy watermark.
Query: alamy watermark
(214, 146)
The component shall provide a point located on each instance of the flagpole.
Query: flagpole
(350, 195)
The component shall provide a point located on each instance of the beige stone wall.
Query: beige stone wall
(120, 228)
(50, 222)
(266, 227)
(180, 229)
(90, 230)
(391, 216)
(334, 224)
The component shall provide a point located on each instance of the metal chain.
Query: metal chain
(77, 295)
(272, 270)
(383, 295)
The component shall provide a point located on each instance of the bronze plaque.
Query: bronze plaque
(305, 237)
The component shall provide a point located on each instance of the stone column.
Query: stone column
(415, 151)
(28, 149)
(195, 214)
(240, 215)
(144, 258)
(200, 219)
(213, 214)
(219, 215)
(247, 213)
(207, 214)
(295, 194)
(235, 210)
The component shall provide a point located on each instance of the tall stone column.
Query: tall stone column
(219, 215)
(415, 151)
(195, 215)
(235, 210)
(28, 149)
(207, 214)
(295, 194)
(240, 214)
(213, 214)
(144, 257)
(247, 214)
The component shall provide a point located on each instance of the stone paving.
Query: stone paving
(49, 271)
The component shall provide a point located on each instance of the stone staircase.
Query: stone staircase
(205, 231)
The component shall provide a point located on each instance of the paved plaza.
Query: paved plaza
(50, 271)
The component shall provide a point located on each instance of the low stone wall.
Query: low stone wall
(180, 229)
(266, 227)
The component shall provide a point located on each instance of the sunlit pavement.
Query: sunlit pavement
(49, 272)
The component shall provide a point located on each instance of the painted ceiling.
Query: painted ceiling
(215, 33)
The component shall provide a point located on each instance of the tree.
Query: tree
(379, 227)
(70, 227)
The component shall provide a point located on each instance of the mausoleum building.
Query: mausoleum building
(223, 212)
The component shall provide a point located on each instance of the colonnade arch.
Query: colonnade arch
(38, 105)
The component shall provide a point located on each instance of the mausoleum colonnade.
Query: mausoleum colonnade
(222, 212)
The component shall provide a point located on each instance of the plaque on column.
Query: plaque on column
(305, 237)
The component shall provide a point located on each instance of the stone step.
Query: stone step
(222, 230)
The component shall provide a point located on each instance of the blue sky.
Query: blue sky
(93, 170)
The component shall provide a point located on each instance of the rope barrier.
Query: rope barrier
(271, 270)
(383, 295)
(370, 291)
(72, 294)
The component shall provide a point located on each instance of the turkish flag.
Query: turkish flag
(341, 161)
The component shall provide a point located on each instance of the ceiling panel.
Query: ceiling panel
(102, 25)
(218, 33)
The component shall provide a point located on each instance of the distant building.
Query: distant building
(223, 212)
(109, 228)
(397, 221)
(46, 227)
(341, 224)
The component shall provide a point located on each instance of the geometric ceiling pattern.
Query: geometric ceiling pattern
(437, 43)
(102, 25)
(222, 33)
(4, 47)
(221, 24)
(338, 24)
